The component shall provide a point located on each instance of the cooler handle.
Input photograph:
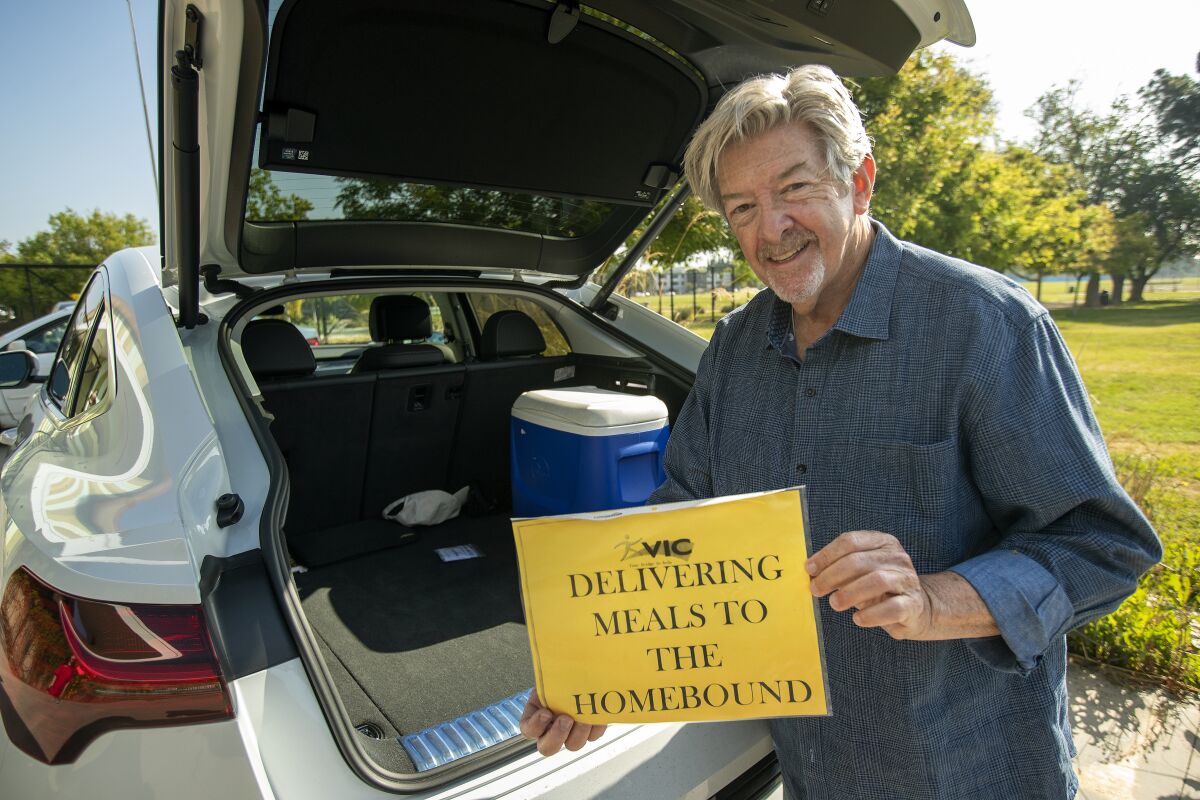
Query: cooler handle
(639, 449)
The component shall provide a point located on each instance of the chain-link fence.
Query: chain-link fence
(28, 291)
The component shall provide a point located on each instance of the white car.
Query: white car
(198, 595)
(40, 337)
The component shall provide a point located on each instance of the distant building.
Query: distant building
(681, 279)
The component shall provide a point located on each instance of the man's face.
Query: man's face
(796, 226)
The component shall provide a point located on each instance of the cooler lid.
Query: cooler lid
(587, 406)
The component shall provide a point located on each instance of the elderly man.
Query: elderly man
(963, 508)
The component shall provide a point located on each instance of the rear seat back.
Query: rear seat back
(395, 320)
(354, 443)
(414, 423)
(510, 363)
(322, 425)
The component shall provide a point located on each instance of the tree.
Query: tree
(929, 123)
(265, 201)
(75, 239)
(1166, 200)
(1032, 225)
(1175, 100)
(1133, 252)
(71, 239)
(390, 199)
(1120, 162)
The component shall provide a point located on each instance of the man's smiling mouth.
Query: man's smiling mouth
(783, 258)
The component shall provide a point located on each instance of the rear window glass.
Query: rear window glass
(277, 196)
(71, 350)
(336, 320)
(485, 305)
(94, 369)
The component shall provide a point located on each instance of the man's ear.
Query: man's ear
(863, 184)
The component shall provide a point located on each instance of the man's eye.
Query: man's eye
(739, 210)
(795, 187)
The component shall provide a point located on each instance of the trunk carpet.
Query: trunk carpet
(426, 640)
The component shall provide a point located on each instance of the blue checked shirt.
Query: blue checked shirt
(943, 408)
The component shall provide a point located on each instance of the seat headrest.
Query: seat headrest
(275, 348)
(510, 333)
(397, 317)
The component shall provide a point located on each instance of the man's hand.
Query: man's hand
(552, 732)
(871, 572)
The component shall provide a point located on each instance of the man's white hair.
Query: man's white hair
(811, 95)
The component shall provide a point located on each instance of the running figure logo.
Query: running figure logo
(631, 548)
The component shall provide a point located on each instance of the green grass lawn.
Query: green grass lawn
(1141, 365)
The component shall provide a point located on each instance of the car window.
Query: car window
(485, 305)
(72, 348)
(94, 371)
(346, 319)
(46, 338)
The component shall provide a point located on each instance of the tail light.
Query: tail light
(72, 669)
(313, 341)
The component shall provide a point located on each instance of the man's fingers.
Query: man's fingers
(535, 717)
(846, 570)
(844, 544)
(873, 587)
(897, 610)
(553, 732)
(555, 736)
(535, 722)
(579, 736)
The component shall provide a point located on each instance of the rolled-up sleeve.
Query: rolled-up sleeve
(1072, 543)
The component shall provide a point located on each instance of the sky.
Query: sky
(72, 132)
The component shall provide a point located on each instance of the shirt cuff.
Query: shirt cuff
(1029, 606)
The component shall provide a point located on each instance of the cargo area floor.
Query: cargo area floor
(420, 640)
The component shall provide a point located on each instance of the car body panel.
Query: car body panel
(121, 498)
(669, 760)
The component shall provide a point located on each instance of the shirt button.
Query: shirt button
(810, 392)
(802, 468)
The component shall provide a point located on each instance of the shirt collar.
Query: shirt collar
(869, 311)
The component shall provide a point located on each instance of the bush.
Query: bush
(1155, 632)
(683, 314)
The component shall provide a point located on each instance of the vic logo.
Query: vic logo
(681, 548)
(663, 548)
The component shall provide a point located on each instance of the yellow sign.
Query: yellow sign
(679, 612)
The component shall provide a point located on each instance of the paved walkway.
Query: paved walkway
(1133, 745)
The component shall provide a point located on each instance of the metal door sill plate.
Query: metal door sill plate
(478, 730)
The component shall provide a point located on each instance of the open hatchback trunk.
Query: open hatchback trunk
(474, 155)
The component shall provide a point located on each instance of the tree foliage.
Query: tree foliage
(265, 200)
(70, 239)
(1139, 162)
(360, 198)
(75, 239)
(928, 124)
(942, 181)
(1175, 101)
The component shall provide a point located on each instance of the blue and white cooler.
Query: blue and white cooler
(585, 449)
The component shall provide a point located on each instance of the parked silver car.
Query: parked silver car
(40, 337)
